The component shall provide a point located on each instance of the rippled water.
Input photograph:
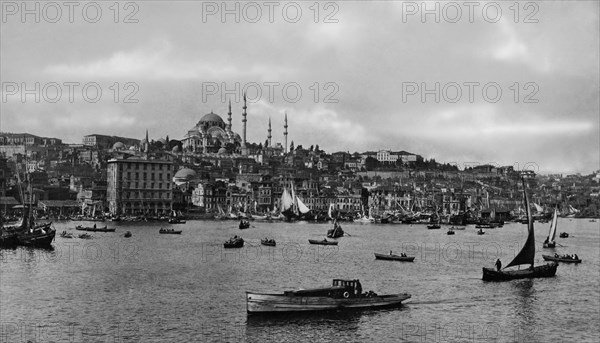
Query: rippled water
(186, 288)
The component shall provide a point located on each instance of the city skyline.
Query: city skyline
(365, 67)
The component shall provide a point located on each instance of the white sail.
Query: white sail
(330, 210)
(553, 226)
(538, 207)
(301, 207)
(286, 200)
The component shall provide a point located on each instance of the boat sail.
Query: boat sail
(291, 205)
(549, 242)
(525, 256)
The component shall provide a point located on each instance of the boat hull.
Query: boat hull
(394, 257)
(277, 303)
(37, 240)
(316, 241)
(547, 270)
(558, 259)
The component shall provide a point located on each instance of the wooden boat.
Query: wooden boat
(394, 257)
(66, 234)
(549, 242)
(485, 226)
(40, 236)
(176, 221)
(268, 242)
(450, 232)
(234, 242)
(563, 235)
(434, 227)
(85, 236)
(169, 232)
(95, 229)
(457, 228)
(525, 256)
(561, 259)
(322, 242)
(336, 232)
(127, 234)
(244, 224)
(342, 295)
(481, 232)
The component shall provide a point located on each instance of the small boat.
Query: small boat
(394, 257)
(85, 236)
(234, 242)
(41, 236)
(549, 242)
(322, 242)
(94, 228)
(565, 258)
(485, 226)
(8, 238)
(525, 257)
(169, 232)
(563, 235)
(341, 295)
(127, 234)
(457, 228)
(268, 242)
(336, 232)
(481, 232)
(66, 234)
(434, 227)
(450, 232)
(244, 224)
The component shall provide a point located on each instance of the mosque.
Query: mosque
(211, 134)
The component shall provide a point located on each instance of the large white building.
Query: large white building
(139, 186)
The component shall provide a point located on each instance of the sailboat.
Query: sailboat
(525, 256)
(291, 205)
(549, 242)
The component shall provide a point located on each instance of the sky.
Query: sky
(464, 83)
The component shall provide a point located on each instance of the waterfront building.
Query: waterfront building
(139, 186)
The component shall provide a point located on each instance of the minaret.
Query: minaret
(244, 120)
(229, 117)
(285, 133)
(269, 136)
(147, 146)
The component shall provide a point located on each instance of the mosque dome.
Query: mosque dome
(175, 149)
(163, 141)
(212, 119)
(118, 146)
(222, 151)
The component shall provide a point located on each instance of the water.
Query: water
(186, 288)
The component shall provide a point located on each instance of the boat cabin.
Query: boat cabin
(339, 289)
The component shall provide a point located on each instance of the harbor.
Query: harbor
(156, 288)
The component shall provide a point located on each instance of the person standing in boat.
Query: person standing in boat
(498, 264)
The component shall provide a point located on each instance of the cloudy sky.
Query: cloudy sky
(494, 82)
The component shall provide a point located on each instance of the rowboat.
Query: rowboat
(563, 235)
(394, 257)
(433, 227)
(561, 259)
(95, 229)
(450, 232)
(268, 242)
(169, 232)
(234, 242)
(342, 295)
(322, 242)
